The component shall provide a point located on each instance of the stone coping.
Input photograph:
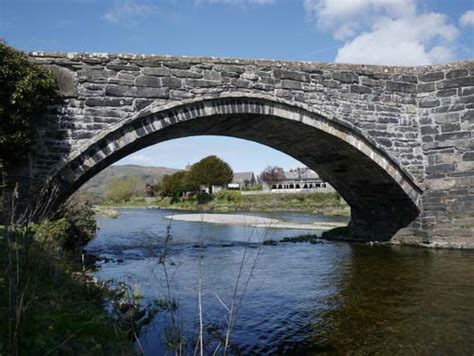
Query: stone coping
(302, 65)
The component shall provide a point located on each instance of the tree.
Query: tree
(272, 175)
(25, 92)
(211, 171)
(123, 189)
(177, 184)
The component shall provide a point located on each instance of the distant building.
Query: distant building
(242, 180)
(300, 180)
(150, 189)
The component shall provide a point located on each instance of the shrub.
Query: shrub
(177, 184)
(123, 189)
(26, 91)
(52, 234)
(81, 216)
(73, 230)
(229, 196)
(203, 198)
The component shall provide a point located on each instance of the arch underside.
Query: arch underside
(383, 198)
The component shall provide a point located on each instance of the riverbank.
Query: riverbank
(254, 221)
(231, 201)
(50, 302)
(59, 304)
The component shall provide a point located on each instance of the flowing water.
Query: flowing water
(292, 298)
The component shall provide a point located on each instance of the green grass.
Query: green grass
(231, 201)
(62, 310)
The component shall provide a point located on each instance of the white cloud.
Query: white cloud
(467, 19)
(390, 32)
(127, 11)
(344, 18)
(404, 41)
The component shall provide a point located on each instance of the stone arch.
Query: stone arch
(383, 196)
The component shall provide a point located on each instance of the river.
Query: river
(292, 298)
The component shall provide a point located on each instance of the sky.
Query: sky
(397, 32)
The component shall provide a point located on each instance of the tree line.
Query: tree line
(208, 172)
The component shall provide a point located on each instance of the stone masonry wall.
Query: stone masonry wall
(421, 117)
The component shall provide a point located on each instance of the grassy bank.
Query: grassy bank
(59, 308)
(230, 201)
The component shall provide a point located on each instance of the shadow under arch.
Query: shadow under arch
(383, 197)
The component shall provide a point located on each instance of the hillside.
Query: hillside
(97, 185)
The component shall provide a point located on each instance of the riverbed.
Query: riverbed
(294, 298)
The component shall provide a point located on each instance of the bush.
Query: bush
(177, 184)
(81, 216)
(253, 188)
(26, 91)
(203, 198)
(54, 235)
(123, 189)
(72, 231)
(229, 196)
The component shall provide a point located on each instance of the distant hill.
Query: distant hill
(98, 184)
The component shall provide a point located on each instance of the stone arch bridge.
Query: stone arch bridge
(396, 142)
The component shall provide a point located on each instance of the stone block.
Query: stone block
(401, 87)
(174, 83)
(468, 116)
(66, 80)
(457, 73)
(467, 91)
(428, 103)
(229, 68)
(148, 81)
(291, 84)
(468, 156)
(450, 127)
(429, 130)
(120, 90)
(426, 87)
(441, 168)
(455, 83)
(360, 89)
(453, 136)
(120, 67)
(177, 65)
(156, 71)
(240, 83)
(291, 75)
(212, 75)
(180, 73)
(345, 77)
(201, 83)
(431, 77)
(104, 101)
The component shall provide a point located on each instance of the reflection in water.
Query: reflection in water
(332, 298)
(401, 300)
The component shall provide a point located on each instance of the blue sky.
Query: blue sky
(401, 32)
